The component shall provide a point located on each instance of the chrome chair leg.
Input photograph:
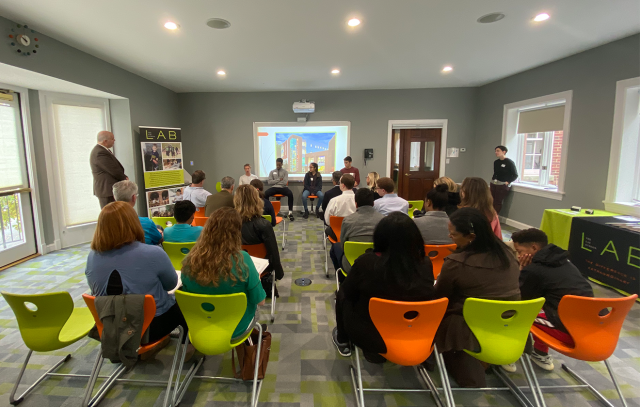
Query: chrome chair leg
(273, 296)
(17, 401)
(532, 380)
(595, 392)
(326, 262)
(254, 390)
(444, 377)
(176, 357)
(615, 382)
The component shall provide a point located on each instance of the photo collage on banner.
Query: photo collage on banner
(162, 163)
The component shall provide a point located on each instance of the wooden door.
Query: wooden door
(419, 164)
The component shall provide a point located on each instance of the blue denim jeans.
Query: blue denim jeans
(305, 196)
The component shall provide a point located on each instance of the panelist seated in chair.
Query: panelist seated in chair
(312, 186)
(481, 267)
(268, 206)
(119, 257)
(217, 265)
(397, 270)
(433, 224)
(256, 230)
(182, 231)
(278, 179)
(545, 271)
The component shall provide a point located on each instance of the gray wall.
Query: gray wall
(218, 127)
(592, 75)
(150, 104)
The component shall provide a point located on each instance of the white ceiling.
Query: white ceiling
(294, 44)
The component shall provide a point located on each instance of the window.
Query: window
(536, 132)
(623, 189)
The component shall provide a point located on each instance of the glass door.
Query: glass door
(17, 234)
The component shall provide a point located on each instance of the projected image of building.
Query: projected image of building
(297, 150)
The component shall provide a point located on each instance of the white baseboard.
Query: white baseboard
(57, 245)
(514, 223)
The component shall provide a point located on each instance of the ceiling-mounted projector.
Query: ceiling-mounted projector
(304, 107)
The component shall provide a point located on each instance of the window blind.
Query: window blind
(541, 120)
(10, 139)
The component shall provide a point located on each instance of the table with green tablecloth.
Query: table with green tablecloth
(556, 223)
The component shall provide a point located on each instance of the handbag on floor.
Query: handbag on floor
(247, 355)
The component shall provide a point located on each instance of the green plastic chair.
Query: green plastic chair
(267, 217)
(53, 325)
(177, 252)
(502, 339)
(162, 221)
(353, 250)
(415, 205)
(211, 320)
(218, 186)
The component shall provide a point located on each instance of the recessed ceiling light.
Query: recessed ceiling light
(221, 72)
(218, 23)
(490, 18)
(170, 25)
(541, 17)
(335, 71)
(447, 69)
(353, 22)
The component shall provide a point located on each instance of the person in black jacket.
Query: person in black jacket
(333, 192)
(547, 272)
(268, 207)
(504, 173)
(256, 230)
(312, 186)
(397, 269)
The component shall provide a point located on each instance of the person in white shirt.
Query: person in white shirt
(195, 192)
(389, 202)
(342, 205)
(247, 177)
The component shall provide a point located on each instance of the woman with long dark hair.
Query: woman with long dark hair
(397, 269)
(481, 267)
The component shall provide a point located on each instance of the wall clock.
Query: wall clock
(24, 40)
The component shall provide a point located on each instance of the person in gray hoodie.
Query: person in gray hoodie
(278, 179)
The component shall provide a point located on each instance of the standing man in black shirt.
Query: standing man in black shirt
(504, 173)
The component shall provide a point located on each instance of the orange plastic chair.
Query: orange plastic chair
(311, 198)
(335, 222)
(276, 209)
(279, 195)
(200, 213)
(199, 221)
(149, 313)
(408, 330)
(442, 251)
(595, 336)
(260, 251)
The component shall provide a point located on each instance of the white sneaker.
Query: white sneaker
(544, 362)
(511, 367)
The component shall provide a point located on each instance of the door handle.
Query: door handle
(407, 174)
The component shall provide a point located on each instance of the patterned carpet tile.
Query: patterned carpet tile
(304, 368)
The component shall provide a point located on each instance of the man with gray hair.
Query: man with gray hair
(106, 168)
(127, 191)
(222, 198)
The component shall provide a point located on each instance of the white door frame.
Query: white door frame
(41, 246)
(419, 124)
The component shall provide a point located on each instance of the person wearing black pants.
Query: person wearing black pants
(279, 178)
(504, 173)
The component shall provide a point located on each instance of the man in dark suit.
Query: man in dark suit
(222, 198)
(106, 168)
(332, 193)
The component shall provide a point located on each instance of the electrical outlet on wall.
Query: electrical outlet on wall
(447, 160)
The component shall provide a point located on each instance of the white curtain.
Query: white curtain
(10, 139)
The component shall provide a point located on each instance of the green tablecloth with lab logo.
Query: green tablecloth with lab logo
(556, 223)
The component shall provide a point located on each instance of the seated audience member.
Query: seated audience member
(222, 199)
(217, 265)
(357, 227)
(184, 212)
(397, 269)
(120, 263)
(268, 207)
(349, 169)
(545, 271)
(278, 179)
(256, 230)
(247, 177)
(454, 194)
(481, 267)
(127, 191)
(342, 205)
(434, 223)
(372, 184)
(333, 192)
(475, 193)
(389, 202)
(312, 186)
(196, 192)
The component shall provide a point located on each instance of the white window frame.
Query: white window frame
(511, 140)
(620, 116)
(76, 234)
